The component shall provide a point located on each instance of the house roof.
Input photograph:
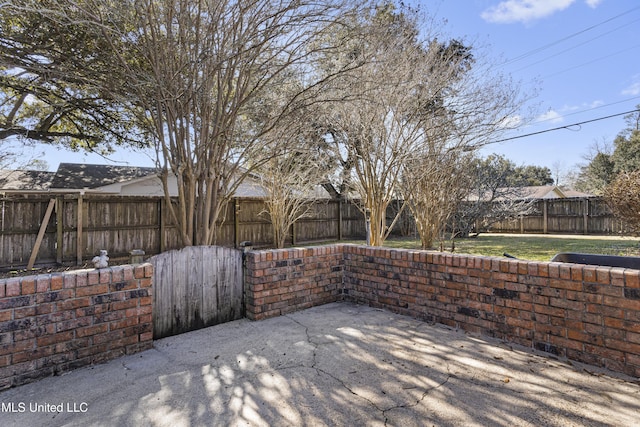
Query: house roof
(531, 193)
(25, 180)
(78, 175)
(542, 192)
(573, 193)
(550, 192)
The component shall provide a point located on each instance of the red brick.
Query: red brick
(45, 308)
(565, 272)
(57, 282)
(92, 290)
(13, 288)
(104, 275)
(620, 302)
(43, 283)
(589, 274)
(551, 311)
(123, 323)
(138, 272)
(603, 276)
(82, 279)
(92, 330)
(28, 287)
(585, 337)
(624, 346)
(73, 303)
(108, 337)
(93, 277)
(565, 343)
(22, 312)
(632, 278)
(121, 305)
(55, 338)
(565, 284)
(69, 280)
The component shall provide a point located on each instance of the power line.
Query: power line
(570, 36)
(588, 109)
(589, 62)
(566, 127)
(576, 46)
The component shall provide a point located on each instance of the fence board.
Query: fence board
(196, 287)
(571, 216)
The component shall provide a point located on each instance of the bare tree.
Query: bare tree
(558, 170)
(297, 166)
(490, 198)
(193, 72)
(379, 122)
(416, 105)
(434, 185)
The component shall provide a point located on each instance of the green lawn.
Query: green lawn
(536, 247)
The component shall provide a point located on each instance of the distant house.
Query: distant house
(513, 194)
(25, 181)
(109, 179)
(549, 192)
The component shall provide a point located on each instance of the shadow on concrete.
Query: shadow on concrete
(338, 364)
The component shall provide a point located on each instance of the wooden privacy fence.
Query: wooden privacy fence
(79, 226)
(196, 287)
(571, 216)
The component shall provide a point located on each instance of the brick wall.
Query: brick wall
(56, 322)
(287, 280)
(53, 323)
(585, 313)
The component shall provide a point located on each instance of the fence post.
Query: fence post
(293, 234)
(545, 217)
(236, 224)
(585, 213)
(59, 229)
(340, 219)
(521, 224)
(79, 246)
(161, 221)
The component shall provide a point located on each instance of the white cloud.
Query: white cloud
(593, 3)
(550, 116)
(634, 89)
(511, 122)
(511, 11)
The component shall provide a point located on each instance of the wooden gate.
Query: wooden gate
(196, 287)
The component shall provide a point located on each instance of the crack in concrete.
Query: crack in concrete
(350, 390)
(424, 394)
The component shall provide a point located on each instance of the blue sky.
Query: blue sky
(584, 54)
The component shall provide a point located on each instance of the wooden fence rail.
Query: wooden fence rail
(81, 225)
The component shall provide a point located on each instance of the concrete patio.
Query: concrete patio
(337, 364)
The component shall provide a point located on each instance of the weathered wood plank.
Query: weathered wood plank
(43, 228)
(196, 287)
(162, 294)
